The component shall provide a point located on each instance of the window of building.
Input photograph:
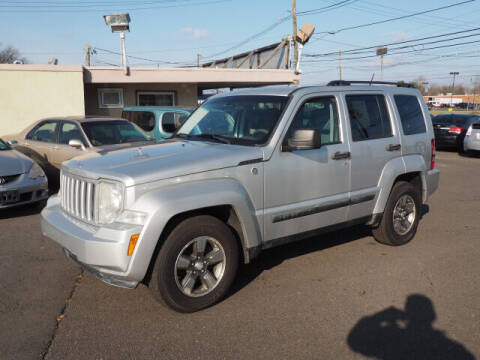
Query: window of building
(172, 120)
(410, 114)
(110, 98)
(319, 114)
(155, 98)
(369, 118)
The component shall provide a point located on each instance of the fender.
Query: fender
(164, 203)
(392, 170)
(416, 163)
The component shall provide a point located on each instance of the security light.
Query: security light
(118, 22)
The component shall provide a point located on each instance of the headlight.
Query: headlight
(110, 201)
(35, 172)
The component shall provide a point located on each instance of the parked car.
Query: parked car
(160, 122)
(450, 129)
(471, 141)
(22, 181)
(52, 141)
(248, 170)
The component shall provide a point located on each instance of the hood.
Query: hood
(13, 163)
(161, 161)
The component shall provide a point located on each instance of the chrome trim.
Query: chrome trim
(77, 196)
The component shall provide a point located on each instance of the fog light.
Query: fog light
(132, 244)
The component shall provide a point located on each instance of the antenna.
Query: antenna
(373, 75)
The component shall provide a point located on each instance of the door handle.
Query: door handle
(341, 155)
(393, 147)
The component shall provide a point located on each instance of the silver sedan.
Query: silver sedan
(22, 181)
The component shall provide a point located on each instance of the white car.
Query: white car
(22, 181)
(471, 142)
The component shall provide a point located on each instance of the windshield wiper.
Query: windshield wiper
(219, 138)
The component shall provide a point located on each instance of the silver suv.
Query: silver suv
(248, 170)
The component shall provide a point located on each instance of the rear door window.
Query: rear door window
(145, 120)
(44, 132)
(369, 118)
(411, 114)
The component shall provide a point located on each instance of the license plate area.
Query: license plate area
(8, 197)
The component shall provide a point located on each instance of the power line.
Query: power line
(401, 52)
(96, 49)
(394, 19)
(92, 7)
(363, 49)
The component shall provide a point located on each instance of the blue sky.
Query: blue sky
(175, 31)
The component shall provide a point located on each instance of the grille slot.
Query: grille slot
(8, 179)
(78, 197)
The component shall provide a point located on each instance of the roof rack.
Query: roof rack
(350, 82)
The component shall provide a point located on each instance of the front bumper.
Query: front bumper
(27, 190)
(100, 250)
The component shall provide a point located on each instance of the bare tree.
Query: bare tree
(9, 54)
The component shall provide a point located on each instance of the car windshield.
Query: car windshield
(113, 132)
(4, 145)
(243, 119)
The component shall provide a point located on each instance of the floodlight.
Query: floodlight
(118, 22)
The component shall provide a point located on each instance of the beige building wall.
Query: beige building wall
(32, 92)
(185, 95)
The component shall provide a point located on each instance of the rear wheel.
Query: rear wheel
(196, 265)
(401, 215)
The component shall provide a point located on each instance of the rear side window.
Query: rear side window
(369, 117)
(145, 120)
(410, 114)
(171, 121)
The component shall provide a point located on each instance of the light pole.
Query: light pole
(454, 73)
(119, 23)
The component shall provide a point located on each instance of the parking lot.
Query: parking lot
(341, 296)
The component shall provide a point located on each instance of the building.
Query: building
(32, 92)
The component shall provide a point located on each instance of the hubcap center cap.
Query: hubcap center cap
(198, 265)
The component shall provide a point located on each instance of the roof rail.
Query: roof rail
(350, 82)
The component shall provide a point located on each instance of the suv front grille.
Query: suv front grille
(78, 197)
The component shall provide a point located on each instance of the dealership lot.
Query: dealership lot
(303, 300)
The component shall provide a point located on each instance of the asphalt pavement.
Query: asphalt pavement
(339, 296)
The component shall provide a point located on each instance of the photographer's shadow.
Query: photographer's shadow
(394, 334)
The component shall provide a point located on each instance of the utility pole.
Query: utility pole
(454, 73)
(198, 60)
(295, 45)
(340, 64)
(87, 55)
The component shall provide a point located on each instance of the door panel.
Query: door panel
(308, 189)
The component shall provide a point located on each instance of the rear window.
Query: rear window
(410, 114)
(145, 120)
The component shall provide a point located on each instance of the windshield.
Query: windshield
(244, 120)
(3, 145)
(113, 132)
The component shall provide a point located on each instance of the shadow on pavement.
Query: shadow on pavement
(273, 257)
(394, 334)
(23, 210)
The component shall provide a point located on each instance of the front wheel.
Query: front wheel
(401, 215)
(196, 265)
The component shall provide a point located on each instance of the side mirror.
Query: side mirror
(77, 144)
(303, 139)
(12, 142)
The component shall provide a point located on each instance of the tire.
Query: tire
(189, 283)
(399, 234)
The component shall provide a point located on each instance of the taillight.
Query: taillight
(432, 161)
(469, 131)
(455, 130)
